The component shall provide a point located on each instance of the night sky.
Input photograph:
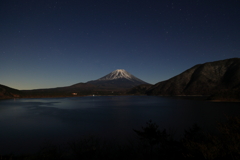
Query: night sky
(55, 43)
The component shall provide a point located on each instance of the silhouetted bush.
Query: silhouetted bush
(88, 148)
(157, 143)
(223, 145)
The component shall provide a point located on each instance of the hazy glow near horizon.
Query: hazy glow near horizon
(47, 44)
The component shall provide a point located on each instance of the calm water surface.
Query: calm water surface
(26, 124)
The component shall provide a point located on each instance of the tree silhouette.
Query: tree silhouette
(223, 145)
(152, 135)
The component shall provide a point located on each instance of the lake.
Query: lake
(26, 124)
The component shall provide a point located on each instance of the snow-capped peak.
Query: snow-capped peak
(118, 74)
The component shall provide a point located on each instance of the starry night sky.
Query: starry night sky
(55, 43)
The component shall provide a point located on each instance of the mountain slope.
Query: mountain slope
(7, 92)
(140, 89)
(118, 79)
(203, 79)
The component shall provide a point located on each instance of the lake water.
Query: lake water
(26, 124)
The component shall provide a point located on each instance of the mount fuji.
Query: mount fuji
(117, 82)
(118, 79)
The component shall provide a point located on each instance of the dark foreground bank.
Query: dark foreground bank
(152, 143)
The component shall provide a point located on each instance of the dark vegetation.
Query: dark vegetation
(152, 143)
(139, 90)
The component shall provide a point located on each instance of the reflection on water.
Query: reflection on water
(27, 123)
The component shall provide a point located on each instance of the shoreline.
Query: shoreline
(187, 97)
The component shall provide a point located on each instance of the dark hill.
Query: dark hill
(79, 89)
(7, 92)
(140, 89)
(116, 84)
(203, 79)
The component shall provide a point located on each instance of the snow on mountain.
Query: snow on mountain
(118, 79)
(119, 74)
